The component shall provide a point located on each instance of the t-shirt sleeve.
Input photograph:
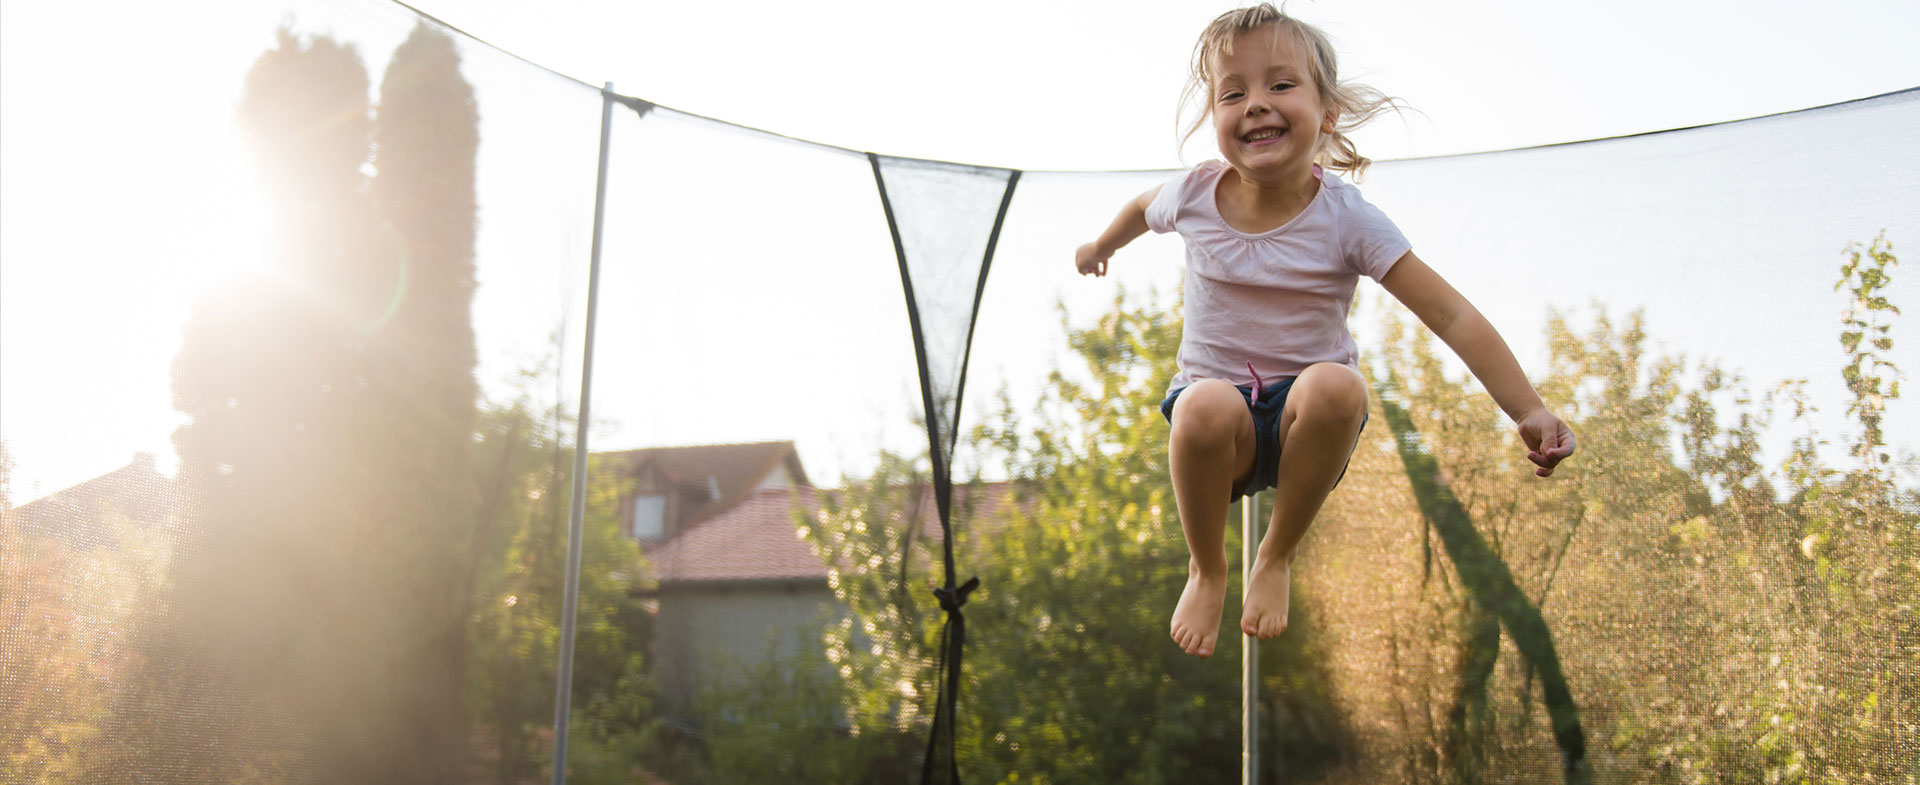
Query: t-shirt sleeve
(1166, 204)
(1370, 240)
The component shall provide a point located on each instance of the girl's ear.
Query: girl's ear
(1331, 121)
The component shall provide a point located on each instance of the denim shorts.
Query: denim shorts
(1266, 436)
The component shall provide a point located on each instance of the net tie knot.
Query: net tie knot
(952, 599)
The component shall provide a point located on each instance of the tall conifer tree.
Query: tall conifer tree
(318, 633)
(234, 676)
(420, 359)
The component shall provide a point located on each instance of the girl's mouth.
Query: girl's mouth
(1263, 137)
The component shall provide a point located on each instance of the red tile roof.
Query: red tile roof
(755, 540)
(759, 538)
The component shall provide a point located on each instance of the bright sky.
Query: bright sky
(124, 190)
(1092, 84)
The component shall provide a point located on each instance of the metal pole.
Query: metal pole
(1249, 649)
(563, 683)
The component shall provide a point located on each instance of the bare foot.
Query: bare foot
(1196, 620)
(1265, 607)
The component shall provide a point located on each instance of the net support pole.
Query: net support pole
(576, 510)
(1249, 649)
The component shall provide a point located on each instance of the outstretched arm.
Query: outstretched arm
(1091, 259)
(1461, 326)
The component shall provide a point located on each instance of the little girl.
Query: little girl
(1269, 394)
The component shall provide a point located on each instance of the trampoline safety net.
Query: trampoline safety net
(290, 388)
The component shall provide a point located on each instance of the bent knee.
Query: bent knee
(1332, 392)
(1209, 411)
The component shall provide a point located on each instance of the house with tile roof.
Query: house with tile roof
(674, 487)
(736, 582)
(737, 589)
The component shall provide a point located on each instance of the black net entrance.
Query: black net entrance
(291, 414)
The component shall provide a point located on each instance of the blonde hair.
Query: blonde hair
(1357, 103)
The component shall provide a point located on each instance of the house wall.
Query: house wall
(705, 637)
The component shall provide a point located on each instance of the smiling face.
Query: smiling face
(1267, 114)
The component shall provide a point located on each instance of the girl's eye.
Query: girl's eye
(1230, 95)
(1278, 86)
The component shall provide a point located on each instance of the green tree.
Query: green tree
(47, 695)
(1859, 531)
(71, 617)
(523, 472)
(1712, 618)
(1871, 378)
(1069, 672)
(418, 416)
(524, 467)
(1070, 654)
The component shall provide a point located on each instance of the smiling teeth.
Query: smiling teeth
(1258, 135)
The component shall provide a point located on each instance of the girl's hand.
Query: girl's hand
(1548, 439)
(1090, 261)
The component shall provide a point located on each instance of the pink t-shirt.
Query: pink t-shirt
(1278, 299)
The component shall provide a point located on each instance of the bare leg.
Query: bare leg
(1318, 429)
(1211, 445)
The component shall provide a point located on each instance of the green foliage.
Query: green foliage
(1492, 542)
(1717, 619)
(785, 722)
(1778, 588)
(875, 538)
(1495, 602)
(365, 579)
(68, 613)
(1070, 674)
(1871, 378)
(524, 461)
(43, 728)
